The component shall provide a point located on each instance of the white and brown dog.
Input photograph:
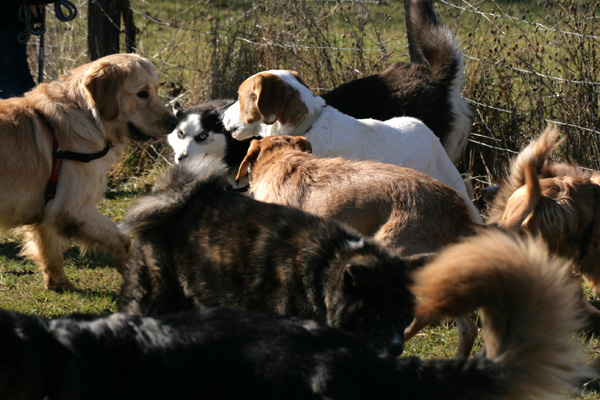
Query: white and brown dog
(277, 102)
(56, 144)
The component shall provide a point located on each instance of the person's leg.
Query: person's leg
(15, 76)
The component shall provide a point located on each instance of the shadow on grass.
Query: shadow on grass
(93, 259)
(11, 250)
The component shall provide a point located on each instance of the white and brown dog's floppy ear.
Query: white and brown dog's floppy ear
(103, 82)
(272, 95)
(251, 156)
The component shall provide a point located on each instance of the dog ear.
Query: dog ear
(178, 111)
(272, 95)
(251, 156)
(302, 143)
(356, 276)
(103, 82)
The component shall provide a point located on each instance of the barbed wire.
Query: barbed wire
(520, 20)
(524, 71)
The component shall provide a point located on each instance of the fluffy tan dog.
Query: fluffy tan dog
(400, 207)
(71, 131)
(558, 201)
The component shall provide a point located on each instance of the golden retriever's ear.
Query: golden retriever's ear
(251, 156)
(103, 82)
(302, 143)
(272, 95)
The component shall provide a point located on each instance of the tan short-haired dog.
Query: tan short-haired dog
(56, 145)
(400, 207)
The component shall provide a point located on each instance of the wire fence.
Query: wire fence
(527, 63)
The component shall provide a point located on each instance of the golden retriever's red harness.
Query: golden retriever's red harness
(58, 156)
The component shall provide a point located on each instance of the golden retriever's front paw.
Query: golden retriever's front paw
(61, 285)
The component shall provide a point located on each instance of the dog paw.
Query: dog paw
(59, 286)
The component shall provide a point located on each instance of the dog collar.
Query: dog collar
(306, 123)
(58, 156)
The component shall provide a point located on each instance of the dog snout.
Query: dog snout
(395, 348)
(180, 158)
(172, 122)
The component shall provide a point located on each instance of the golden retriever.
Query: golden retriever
(94, 109)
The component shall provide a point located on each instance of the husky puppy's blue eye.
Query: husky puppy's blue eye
(180, 134)
(200, 137)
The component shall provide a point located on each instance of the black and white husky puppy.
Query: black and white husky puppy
(201, 130)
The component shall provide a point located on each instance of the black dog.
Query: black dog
(527, 305)
(201, 246)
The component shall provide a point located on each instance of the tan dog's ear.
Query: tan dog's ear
(103, 82)
(302, 143)
(519, 214)
(272, 94)
(251, 156)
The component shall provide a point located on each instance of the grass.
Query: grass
(202, 49)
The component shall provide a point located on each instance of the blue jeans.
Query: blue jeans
(15, 77)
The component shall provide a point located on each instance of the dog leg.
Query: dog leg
(416, 325)
(92, 228)
(588, 309)
(46, 248)
(467, 333)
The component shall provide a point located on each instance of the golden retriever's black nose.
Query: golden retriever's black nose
(172, 122)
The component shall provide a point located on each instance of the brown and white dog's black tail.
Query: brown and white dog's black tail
(430, 42)
(524, 176)
(527, 300)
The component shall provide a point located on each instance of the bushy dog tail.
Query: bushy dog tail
(430, 42)
(174, 189)
(527, 300)
(524, 175)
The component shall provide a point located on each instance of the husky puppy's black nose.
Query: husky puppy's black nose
(172, 122)
(181, 157)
